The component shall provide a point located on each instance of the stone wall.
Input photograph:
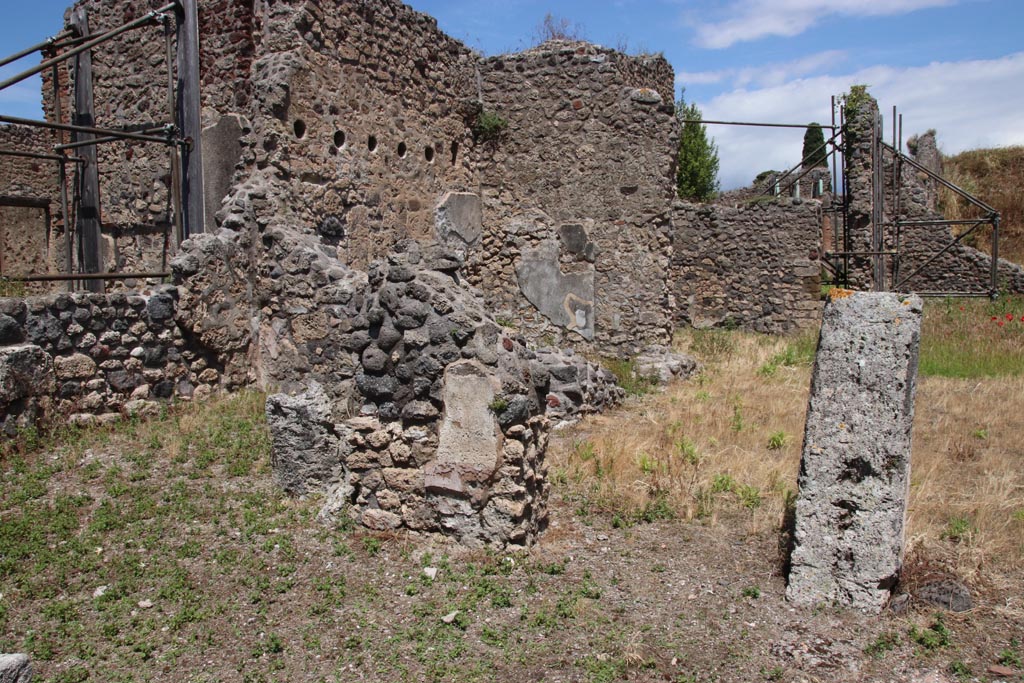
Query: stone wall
(575, 195)
(435, 413)
(753, 265)
(356, 123)
(89, 356)
(31, 228)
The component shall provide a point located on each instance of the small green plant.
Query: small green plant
(499, 405)
(489, 126)
(372, 545)
(274, 644)
(958, 528)
(505, 321)
(11, 288)
(934, 637)
(855, 99)
(723, 483)
(629, 377)
(688, 450)
(885, 642)
(736, 424)
(1009, 657)
(712, 344)
(750, 496)
(752, 592)
(960, 669)
(773, 674)
(646, 463)
(980, 433)
(702, 395)
(777, 441)
(768, 369)
(657, 508)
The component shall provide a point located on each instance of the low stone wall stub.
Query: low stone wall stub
(855, 468)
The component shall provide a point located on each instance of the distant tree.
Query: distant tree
(697, 161)
(556, 28)
(814, 152)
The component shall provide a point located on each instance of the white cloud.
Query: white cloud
(753, 19)
(971, 104)
(765, 74)
(22, 99)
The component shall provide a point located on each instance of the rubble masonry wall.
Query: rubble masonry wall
(753, 265)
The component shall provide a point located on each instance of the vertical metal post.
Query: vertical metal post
(877, 199)
(173, 150)
(89, 226)
(895, 185)
(846, 200)
(897, 204)
(189, 120)
(63, 175)
(63, 179)
(995, 257)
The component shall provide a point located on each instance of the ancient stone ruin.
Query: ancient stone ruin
(419, 252)
(855, 469)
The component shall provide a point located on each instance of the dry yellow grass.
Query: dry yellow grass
(993, 175)
(711, 445)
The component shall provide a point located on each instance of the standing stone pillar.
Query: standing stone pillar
(855, 469)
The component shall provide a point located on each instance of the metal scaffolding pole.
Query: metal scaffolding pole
(88, 129)
(84, 47)
(89, 227)
(189, 116)
(49, 42)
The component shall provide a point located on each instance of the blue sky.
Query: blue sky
(953, 65)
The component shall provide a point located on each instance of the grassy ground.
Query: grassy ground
(731, 439)
(161, 550)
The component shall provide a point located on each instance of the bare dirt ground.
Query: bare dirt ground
(163, 551)
(240, 584)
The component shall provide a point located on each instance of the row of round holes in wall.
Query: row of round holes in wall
(371, 143)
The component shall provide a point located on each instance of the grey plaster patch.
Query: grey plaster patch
(855, 469)
(458, 219)
(222, 150)
(566, 299)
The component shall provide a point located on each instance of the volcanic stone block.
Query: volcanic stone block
(855, 470)
(15, 669)
(25, 370)
(306, 448)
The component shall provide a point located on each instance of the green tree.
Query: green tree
(814, 152)
(697, 162)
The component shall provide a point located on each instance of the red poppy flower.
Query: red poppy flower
(1009, 316)
(1001, 323)
(995, 318)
